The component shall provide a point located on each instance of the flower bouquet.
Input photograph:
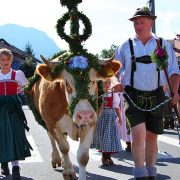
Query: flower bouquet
(160, 56)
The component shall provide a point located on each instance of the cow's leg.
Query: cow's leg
(83, 150)
(68, 172)
(55, 157)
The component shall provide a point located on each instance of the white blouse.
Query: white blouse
(20, 77)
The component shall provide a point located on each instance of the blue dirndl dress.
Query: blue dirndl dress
(106, 138)
(13, 142)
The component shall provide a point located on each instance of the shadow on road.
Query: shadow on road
(90, 176)
(119, 169)
(161, 162)
(159, 177)
(123, 155)
(10, 178)
(126, 170)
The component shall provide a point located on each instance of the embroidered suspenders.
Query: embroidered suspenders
(144, 59)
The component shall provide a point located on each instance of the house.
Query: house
(18, 55)
(176, 46)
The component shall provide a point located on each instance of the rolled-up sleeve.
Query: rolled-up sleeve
(21, 78)
(172, 61)
(116, 100)
(119, 57)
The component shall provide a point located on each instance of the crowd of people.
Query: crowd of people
(119, 119)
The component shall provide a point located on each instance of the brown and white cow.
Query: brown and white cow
(51, 97)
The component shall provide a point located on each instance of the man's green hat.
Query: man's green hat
(143, 12)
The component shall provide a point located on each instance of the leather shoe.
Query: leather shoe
(16, 173)
(4, 169)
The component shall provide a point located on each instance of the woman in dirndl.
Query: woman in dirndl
(106, 138)
(13, 142)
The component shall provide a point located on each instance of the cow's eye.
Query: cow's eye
(68, 88)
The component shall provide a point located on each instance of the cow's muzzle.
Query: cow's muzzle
(84, 117)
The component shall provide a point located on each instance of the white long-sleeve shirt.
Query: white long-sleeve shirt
(146, 75)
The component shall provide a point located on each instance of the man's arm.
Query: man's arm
(174, 81)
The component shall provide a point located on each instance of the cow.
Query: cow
(52, 96)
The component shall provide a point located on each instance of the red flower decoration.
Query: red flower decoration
(160, 52)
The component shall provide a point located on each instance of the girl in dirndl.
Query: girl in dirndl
(13, 142)
(106, 138)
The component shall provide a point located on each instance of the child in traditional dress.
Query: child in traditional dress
(106, 138)
(13, 143)
(124, 131)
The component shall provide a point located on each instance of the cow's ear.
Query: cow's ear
(45, 71)
(110, 69)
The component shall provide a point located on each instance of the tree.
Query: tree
(107, 53)
(29, 65)
(28, 49)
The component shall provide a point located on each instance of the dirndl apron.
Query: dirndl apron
(13, 142)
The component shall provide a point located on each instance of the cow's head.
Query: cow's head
(80, 75)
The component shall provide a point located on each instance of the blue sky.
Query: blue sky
(109, 18)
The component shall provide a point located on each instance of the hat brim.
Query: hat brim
(147, 16)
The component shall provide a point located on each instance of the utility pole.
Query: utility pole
(152, 8)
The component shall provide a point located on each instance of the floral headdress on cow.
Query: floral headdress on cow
(77, 61)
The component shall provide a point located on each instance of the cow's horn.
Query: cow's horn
(45, 60)
(48, 63)
(105, 61)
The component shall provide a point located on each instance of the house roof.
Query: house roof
(15, 50)
(177, 47)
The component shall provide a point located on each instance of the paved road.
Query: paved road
(38, 167)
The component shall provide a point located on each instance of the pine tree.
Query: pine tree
(29, 65)
(28, 49)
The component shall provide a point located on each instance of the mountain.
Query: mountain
(19, 36)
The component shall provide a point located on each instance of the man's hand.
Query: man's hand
(175, 99)
(118, 88)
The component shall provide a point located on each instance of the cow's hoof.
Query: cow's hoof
(56, 164)
(70, 176)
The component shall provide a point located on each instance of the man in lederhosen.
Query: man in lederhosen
(143, 82)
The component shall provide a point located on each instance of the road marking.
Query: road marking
(164, 155)
(169, 140)
(35, 155)
(96, 156)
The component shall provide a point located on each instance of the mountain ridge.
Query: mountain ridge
(19, 36)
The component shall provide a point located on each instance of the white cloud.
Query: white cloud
(109, 18)
(165, 27)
